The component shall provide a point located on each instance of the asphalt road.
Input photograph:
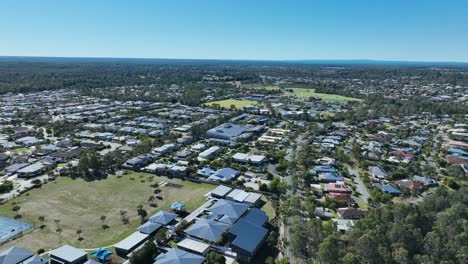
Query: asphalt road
(360, 187)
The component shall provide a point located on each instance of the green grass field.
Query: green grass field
(306, 93)
(226, 104)
(268, 208)
(79, 205)
(274, 88)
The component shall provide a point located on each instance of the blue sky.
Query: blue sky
(413, 30)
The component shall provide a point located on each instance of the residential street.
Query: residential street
(360, 187)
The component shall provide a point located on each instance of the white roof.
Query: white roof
(240, 156)
(221, 190)
(257, 158)
(238, 195)
(68, 253)
(252, 198)
(131, 241)
(32, 168)
(193, 245)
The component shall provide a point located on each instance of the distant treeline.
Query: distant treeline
(35, 74)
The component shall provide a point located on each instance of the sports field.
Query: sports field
(274, 88)
(226, 104)
(79, 205)
(306, 93)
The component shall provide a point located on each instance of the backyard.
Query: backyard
(69, 205)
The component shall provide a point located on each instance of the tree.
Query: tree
(297, 244)
(161, 236)
(145, 255)
(330, 250)
(103, 219)
(16, 208)
(456, 171)
(78, 232)
(57, 222)
(277, 186)
(142, 212)
(215, 258)
(181, 227)
(272, 239)
(42, 219)
(123, 217)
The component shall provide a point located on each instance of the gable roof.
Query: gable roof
(163, 217)
(178, 256)
(14, 255)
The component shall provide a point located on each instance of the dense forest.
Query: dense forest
(432, 231)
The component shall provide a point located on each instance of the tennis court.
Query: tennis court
(10, 228)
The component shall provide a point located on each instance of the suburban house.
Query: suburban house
(249, 158)
(16, 255)
(68, 255)
(178, 256)
(130, 243)
(377, 172)
(350, 213)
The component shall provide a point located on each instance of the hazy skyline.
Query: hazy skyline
(256, 30)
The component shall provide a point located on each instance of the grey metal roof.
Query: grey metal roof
(131, 241)
(92, 262)
(68, 253)
(35, 260)
(238, 195)
(252, 198)
(207, 229)
(194, 245)
(249, 236)
(14, 255)
(32, 168)
(178, 256)
(221, 191)
(149, 227)
(227, 131)
(256, 216)
(230, 209)
(163, 217)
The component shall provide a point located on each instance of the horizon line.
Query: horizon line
(300, 61)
